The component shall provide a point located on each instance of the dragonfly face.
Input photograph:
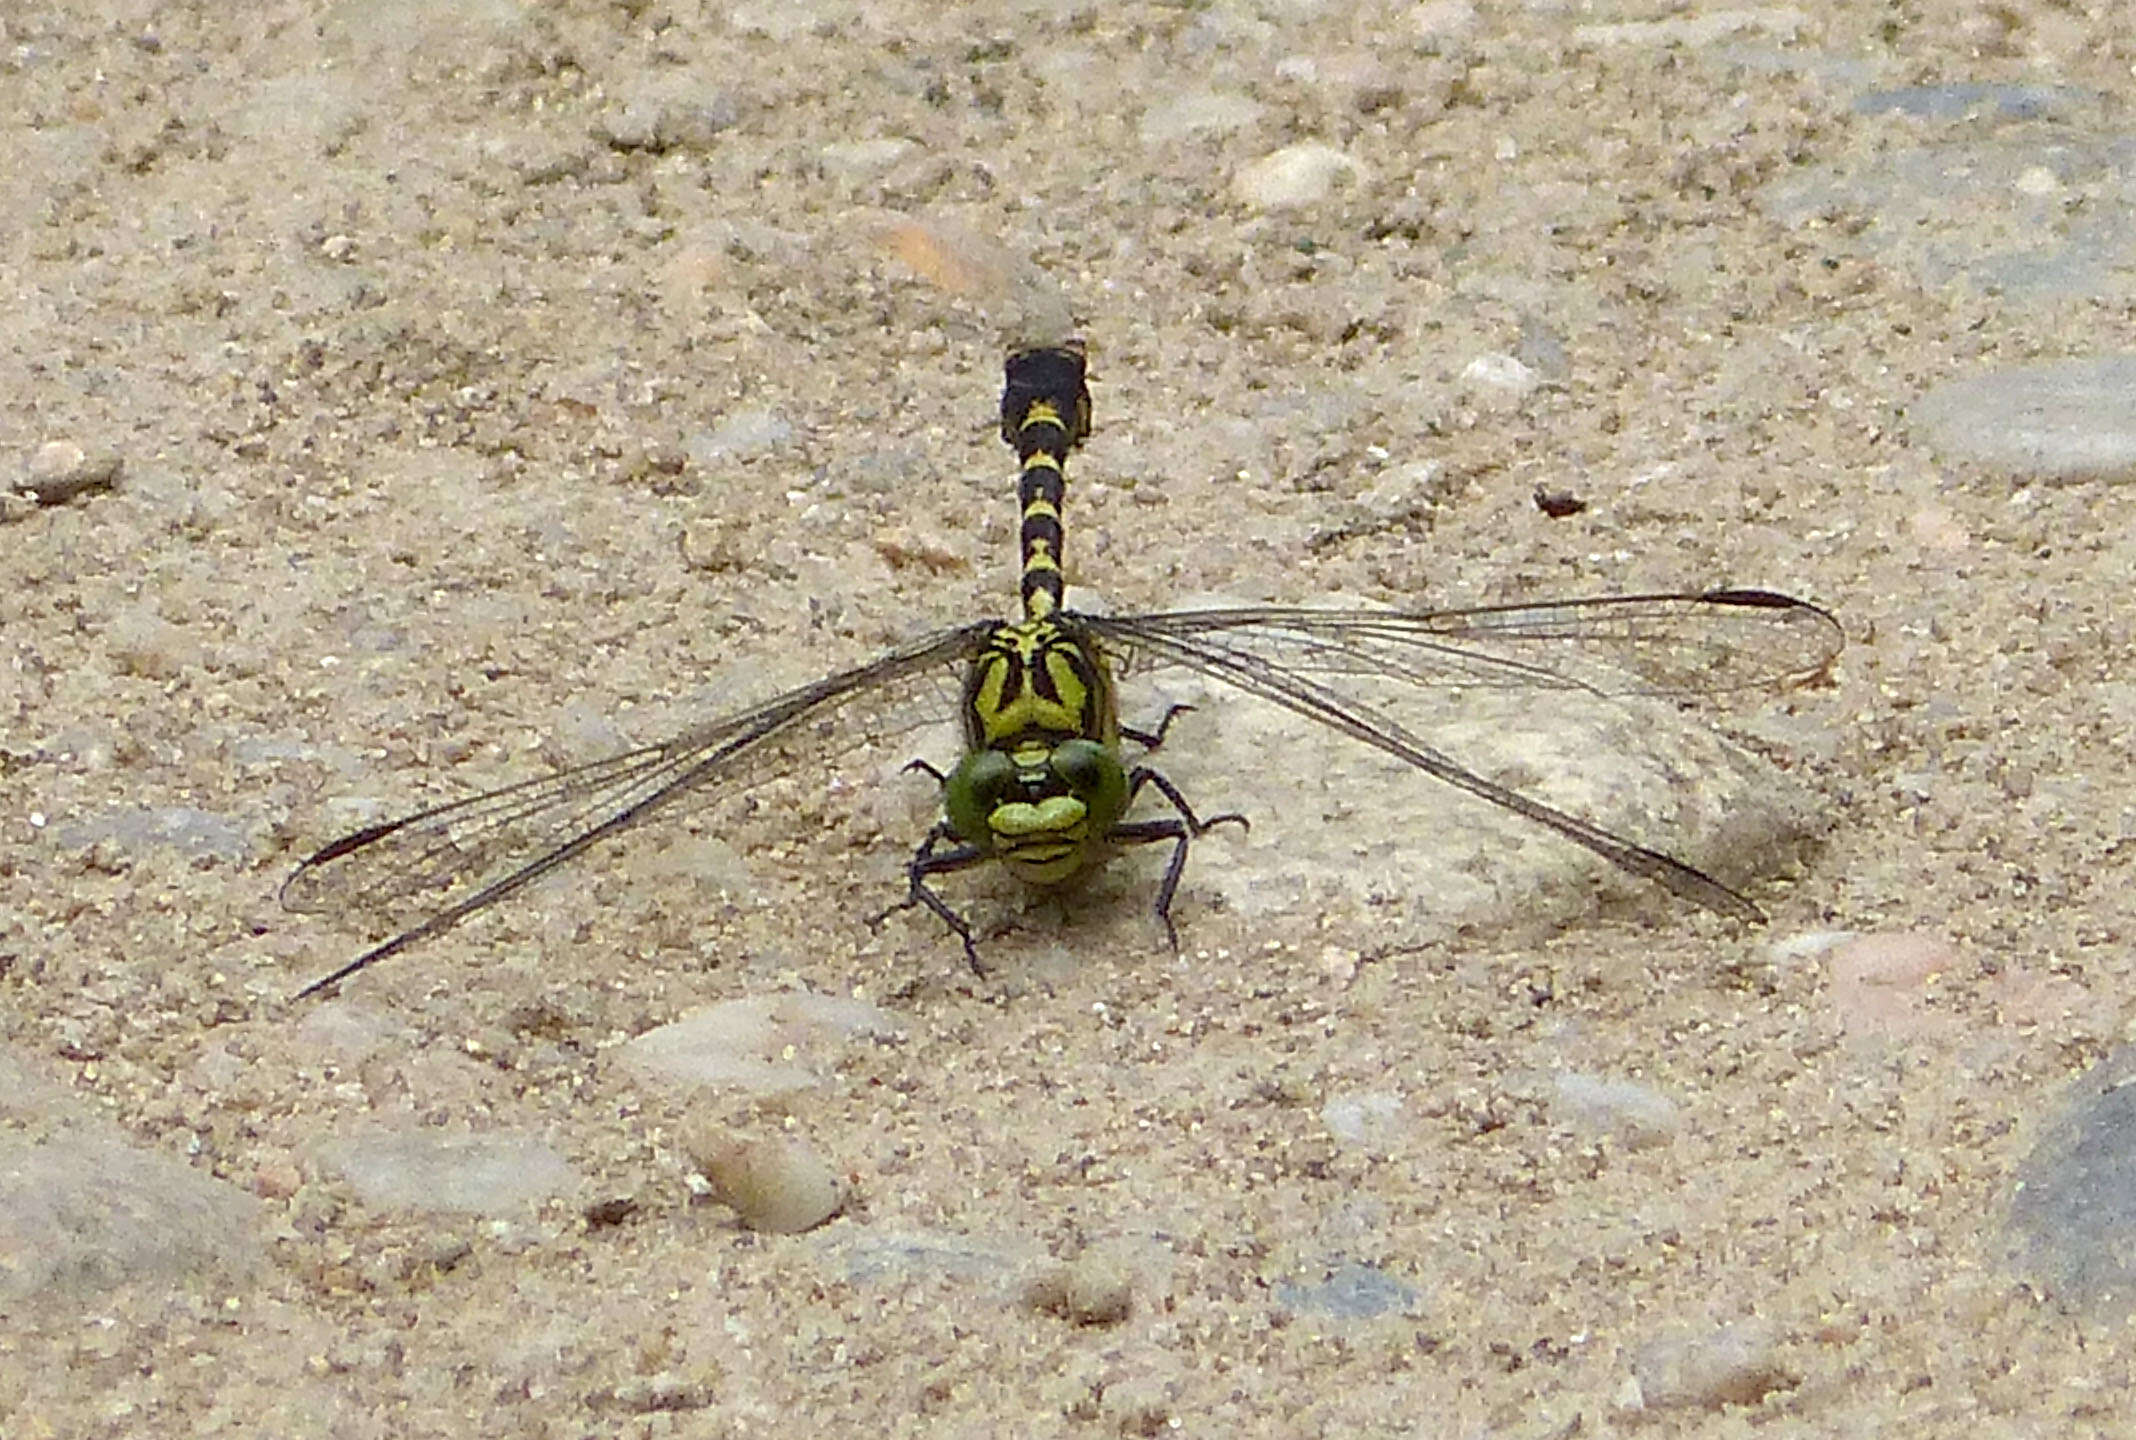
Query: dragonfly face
(1041, 783)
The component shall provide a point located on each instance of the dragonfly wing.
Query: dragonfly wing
(1212, 653)
(1665, 644)
(445, 863)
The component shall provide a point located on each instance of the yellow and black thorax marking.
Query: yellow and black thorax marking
(1038, 682)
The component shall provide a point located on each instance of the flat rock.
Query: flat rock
(490, 1173)
(84, 1213)
(2059, 420)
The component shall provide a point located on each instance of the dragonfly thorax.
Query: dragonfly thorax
(1038, 678)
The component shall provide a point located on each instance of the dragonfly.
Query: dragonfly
(1044, 786)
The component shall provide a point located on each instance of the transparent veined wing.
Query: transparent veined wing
(445, 863)
(1664, 644)
(1311, 662)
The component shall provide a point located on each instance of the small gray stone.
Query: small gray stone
(1198, 112)
(1731, 1365)
(899, 1258)
(765, 1044)
(1634, 1113)
(1362, 1116)
(1957, 102)
(61, 470)
(1704, 29)
(1351, 1292)
(677, 112)
(137, 832)
(854, 161)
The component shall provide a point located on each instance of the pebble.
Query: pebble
(1095, 1288)
(901, 1258)
(1732, 1365)
(59, 470)
(1924, 188)
(1296, 175)
(146, 644)
(1198, 112)
(1351, 1292)
(663, 1393)
(1969, 100)
(1502, 376)
(766, 1044)
(854, 161)
(438, 1171)
(1884, 984)
(1440, 24)
(2072, 1219)
(742, 435)
(1703, 29)
(1362, 1116)
(138, 832)
(1633, 1113)
(672, 113)
(778, 1185)
(2057, 420)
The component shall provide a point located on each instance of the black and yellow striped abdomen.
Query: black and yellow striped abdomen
(1045, 414)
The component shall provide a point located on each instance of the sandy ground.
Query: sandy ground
(497, 385)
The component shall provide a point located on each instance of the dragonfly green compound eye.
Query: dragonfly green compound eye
(979, 785)
(1094, 775)
(1042, 787)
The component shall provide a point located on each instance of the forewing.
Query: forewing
(1671, 644)
(436, 867)
(1213, 653)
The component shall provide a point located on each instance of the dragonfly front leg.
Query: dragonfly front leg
(1183, 830)
(1151, 739)
(926, 863)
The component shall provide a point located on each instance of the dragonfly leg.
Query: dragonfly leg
(1151, 739)
(1142, 775)
(1182, 830)
(927, 862)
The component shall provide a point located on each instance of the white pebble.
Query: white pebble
(858, 160)
(59, 470)
(764, 1044)
(1502, 375)
(1198, 112)
(486, 1173)
(1095, 1288)
(1439, 22)
(1361, 1115)
(1780, 23)
(1302, 174)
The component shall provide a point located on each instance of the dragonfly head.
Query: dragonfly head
(1041, 809)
